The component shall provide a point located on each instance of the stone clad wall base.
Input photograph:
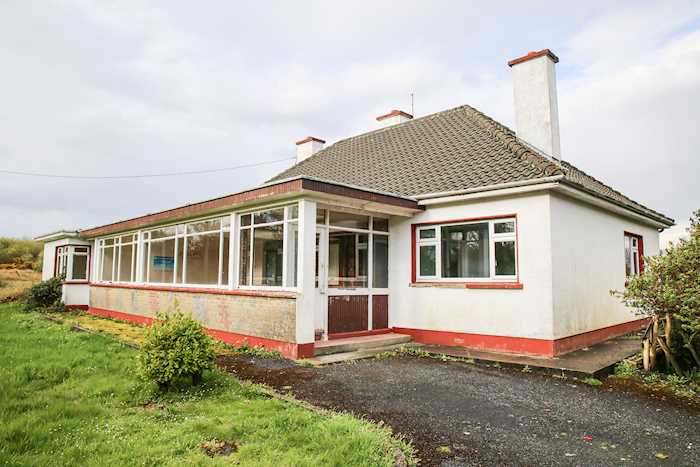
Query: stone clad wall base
(268, 321)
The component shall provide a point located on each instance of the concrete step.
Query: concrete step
(354, 355)
(352, 344)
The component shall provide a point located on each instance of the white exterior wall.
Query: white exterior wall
(499, 312)
(589, 261)
(76, 294)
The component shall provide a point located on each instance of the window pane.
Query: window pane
(465, 250)
(109, 241)
(346, 219)
(628, 256)
(292, 253)
(203, 259)
(180, 266)
(380, 261)
(320, 216)
(161, 259)
(224, 262)
(164, 232)
(504, 227)
(380, 224)
(144, 265)
(226, 221)
(244, 258)
(293, 211)
(107, 263)
(125, 263)
(127, 238)
(505, 258)
(80, 249)
(427, 260)
(426, 233)
(245, 219)
(347, 260)
(205, 226)
(79, 271)
(267, 255)
(273, 215)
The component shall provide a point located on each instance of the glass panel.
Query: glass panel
(127, 238)
(80, 249)
(245, 219)
(203, 259)
(318, 240)
(144, 265)
(180, 229)
(505, 258)
(164, 232)
(628, 255)
(204, 226)
(109, 241)
(267, 255)
(504, 227)
(107, 263)
(380, 224)
(125, 263)
(226, 221)
(293, 211)
(180, 260)
(635, 262)
(427, 260)
(321, 216)
(79, 271)
(273, 215)
(465, 250)
(352, 221)
(135, 248)
(347, 260)
(426, 233)
(161, 257)
(244, 258)
(292, 253)
(380, 261)
(224, 262)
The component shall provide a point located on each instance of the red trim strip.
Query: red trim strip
(287, 349)
(522, 345)
(77, 307)
(245, 293)
(531, 55)
(371, 332)
(469, 285)
(394, 113)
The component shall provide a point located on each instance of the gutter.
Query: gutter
(499, 186)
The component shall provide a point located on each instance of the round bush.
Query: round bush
(45, 295)
(175, 346)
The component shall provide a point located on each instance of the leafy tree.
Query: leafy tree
(22, 254)
(671, 284)
(175, 346)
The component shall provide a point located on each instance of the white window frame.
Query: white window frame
(635, 260)
(436, 241)
(64, 262)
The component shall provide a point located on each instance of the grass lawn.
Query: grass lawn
(72, 398)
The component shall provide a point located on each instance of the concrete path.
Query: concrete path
(458, 414)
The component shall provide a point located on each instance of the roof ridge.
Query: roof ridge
(507, 138)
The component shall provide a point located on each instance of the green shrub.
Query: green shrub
(175, 346)
(45, 295)
(626, 369)
(592, 381)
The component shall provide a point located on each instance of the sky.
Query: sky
(129, 88)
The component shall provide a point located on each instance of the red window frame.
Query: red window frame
(640, 252)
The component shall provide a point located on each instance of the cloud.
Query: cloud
(126, 88)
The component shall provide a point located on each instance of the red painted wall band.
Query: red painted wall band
(287, 349)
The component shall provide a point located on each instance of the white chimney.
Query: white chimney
(393, 118)
(307, 147)
(535, 95)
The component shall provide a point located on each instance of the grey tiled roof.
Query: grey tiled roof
(456, 149)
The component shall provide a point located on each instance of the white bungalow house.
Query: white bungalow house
(449, 228)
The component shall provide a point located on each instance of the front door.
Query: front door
(321, 283)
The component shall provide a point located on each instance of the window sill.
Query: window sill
(468, 285)
(70, 282)
(158, 288)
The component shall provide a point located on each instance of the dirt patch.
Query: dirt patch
(215, 447)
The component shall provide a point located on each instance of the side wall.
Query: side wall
(479, 317)
(588, 262)
(234, 317)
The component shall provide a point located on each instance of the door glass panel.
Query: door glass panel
(347, 260)
(267, 255)
(380, 263)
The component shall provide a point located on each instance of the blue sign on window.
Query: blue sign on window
(166, 263)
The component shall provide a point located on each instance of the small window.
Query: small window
(349, 220)
(504, 227)
(426, 233)
(272, 215)
(245, 220)
(633, 255)
(293, 211)
(204, 226)
(426, 260)
(321, 216)
(379, 224)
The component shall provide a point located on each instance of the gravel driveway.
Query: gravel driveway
(460, 414)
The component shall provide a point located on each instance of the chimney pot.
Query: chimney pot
(535, 98)
(394, 117)
(307, 147)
